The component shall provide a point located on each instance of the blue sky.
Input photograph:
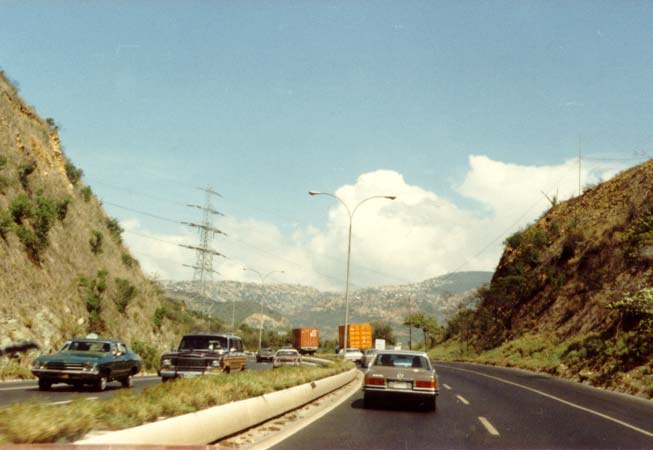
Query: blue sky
(266, 100)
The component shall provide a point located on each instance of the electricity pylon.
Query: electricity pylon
(203, 268)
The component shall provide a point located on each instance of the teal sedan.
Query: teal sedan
(93, 362)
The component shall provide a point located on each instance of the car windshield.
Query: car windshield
(89, 346)
(210, 343)
(394, 360)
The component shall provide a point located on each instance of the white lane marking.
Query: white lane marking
(18, 388)
(447, 386)
(92, 398)
(63, 402)
(565, 402)
(462, 399)
(488, 426)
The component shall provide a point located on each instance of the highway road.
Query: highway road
(22, 391)
(488, 407)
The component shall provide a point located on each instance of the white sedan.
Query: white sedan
(352, 354)
(286, 357)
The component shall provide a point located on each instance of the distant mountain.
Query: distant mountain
(291, 305)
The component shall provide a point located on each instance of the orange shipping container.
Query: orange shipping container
(305, 340)
(360, 336)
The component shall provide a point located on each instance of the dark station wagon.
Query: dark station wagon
(91, 361)
(204, 354)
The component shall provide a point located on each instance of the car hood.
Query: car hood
(74, 357)
(192, 354)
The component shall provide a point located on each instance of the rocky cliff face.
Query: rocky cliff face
(64, 271)
(575, 288)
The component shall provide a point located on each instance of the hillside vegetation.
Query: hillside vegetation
(64, 271)
(572, 294)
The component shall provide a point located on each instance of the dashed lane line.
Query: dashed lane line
(63, 402)
(553, 397)
(462, 399)
(488, 426)
(447, 387)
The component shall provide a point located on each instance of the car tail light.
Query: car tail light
(430, 384)
(375, 381)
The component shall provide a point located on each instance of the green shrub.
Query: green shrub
(115, 229)
(87, 193)
(51, 123)
(45, 213)
(4, 183)
(638, 236)
(24, 171)
(5, 223)
(30, 241)
(3, 162)
(515, 240)
(149, 354)
(96, 241)
(62, 209)
(128, 260)
(21, 208)
(159, 315)
(125, 293)
(73, 173)
(93, 291)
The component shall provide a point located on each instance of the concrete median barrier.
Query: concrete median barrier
(209, 425)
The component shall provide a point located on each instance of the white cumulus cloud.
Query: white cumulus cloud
(417, 236)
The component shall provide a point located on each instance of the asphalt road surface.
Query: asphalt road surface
(486, 407)
(23, 391)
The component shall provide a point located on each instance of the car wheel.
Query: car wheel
(127, 382)
(44, 385)
(370, 400)
(227, 369)
(101, 383)
(430, 404)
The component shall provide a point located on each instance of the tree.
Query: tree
(427, 324)
(383, 330)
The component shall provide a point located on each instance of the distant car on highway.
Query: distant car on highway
(286, 357)
(204, 354)
(88, 361)
(401, 373)
(265, 354)
(352, 354)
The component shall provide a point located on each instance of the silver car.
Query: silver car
(401, 373)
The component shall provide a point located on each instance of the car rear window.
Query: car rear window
(286, 353)
(388, 360)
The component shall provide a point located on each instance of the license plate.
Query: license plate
(399, 385)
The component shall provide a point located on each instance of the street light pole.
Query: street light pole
(351, 217)
(262, 277)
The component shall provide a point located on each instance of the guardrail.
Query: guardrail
(212, 424)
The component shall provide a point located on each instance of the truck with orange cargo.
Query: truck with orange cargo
(305, 340)
(360, 336)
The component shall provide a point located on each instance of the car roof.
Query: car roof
(230, 336)
(403, 352)
(113, 341)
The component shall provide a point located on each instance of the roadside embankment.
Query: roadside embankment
(33, 422)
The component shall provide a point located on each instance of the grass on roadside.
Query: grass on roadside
(33, 422)
(547, 354)
(12, 370)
